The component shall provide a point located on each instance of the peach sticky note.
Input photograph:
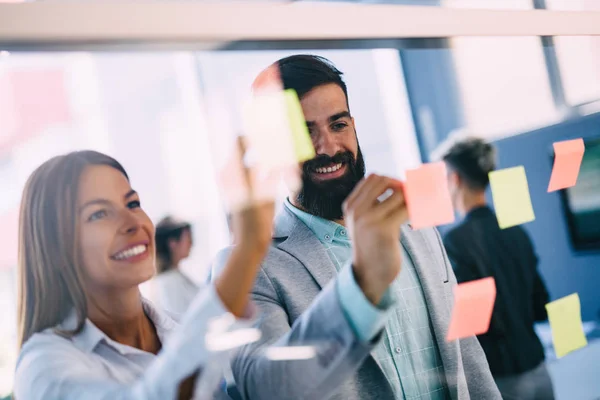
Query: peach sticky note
(511, 197)
(473, 305)
(427, 196)
(301, 137)
(268, 80)
(567, 160)
(565, 320)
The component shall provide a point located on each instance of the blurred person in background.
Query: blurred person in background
(478, 248)
(346, 275)
(172, 290)
(84, 330)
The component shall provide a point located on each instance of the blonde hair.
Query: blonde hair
(49, 266)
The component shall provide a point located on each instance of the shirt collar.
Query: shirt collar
(481, 211)
(325, 230)
(90, 336)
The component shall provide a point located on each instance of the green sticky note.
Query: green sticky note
(511, 197)
(565, 320)
(300, 135)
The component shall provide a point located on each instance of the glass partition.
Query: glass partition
(151, 111)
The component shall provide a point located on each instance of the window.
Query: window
(143, 109)
(578, 57)
(504, 84)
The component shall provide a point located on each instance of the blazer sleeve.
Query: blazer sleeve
(480, 383)
(338, 351)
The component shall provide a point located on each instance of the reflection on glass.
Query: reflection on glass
(579, 63)
(147, 111)
(504, 84)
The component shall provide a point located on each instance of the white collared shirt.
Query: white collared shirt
(172, 291)
(91, 366)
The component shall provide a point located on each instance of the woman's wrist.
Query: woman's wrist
(235, 282)
(251, 251)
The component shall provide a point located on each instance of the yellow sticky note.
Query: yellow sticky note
(268, 131)
(511, 197)
(565, 320)
(300, 135)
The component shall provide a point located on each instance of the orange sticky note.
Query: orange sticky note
(567, 160)
(427, 196)
(473, 305)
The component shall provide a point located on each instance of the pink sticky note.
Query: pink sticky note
(31, 100)
(268, 80)
(41, 99)
(427, 196)
(567, 160)
(473, 305)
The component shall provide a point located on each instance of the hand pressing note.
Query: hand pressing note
(250, 194)
(375, 230)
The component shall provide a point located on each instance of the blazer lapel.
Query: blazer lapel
(438, 305)
(300, 242)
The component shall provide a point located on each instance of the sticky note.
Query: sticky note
(427, 196)
(473, 305)
(268, 80)
(511, 197)
(567, 160)
(241, 186)
(266, 125)
(301, 137)
(565, 320)
(31, 101)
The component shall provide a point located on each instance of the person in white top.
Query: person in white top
(171, 288)
(85, 244)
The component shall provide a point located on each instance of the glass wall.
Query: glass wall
(142, 109)
(149, 110)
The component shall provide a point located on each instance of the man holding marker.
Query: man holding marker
(348, 276)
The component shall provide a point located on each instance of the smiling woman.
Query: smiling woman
(85, 244)
(49, 242)
(116, 235)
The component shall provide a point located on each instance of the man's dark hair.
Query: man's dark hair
(304, 72)
(472, 159)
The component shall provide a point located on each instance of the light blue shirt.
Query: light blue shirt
(408, 354)
(90, 365)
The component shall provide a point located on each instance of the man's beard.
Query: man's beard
(325, 199)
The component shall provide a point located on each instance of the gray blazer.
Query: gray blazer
(295, 294)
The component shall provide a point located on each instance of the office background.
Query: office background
(147, 110)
